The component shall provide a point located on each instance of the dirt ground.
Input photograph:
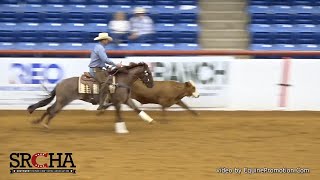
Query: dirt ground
(186, 147)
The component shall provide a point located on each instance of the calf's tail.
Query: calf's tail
(43, 102)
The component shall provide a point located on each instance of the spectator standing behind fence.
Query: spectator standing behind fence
(141, 27)
(119, 27)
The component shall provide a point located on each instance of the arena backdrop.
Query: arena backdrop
(223, 82)
(22, 80)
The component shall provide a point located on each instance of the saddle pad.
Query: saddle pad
(86, 89)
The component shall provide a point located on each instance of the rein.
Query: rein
(121, 85)
(118, 85)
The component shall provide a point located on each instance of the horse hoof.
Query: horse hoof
(120, 128)
(122, 132)
(30, 109)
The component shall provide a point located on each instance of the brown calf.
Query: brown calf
(164, 93)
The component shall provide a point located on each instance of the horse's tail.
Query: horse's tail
(43, 102)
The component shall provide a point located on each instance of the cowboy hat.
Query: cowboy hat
(103, 36)
(139, 10)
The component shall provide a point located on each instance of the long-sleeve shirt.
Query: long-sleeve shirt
(99, 57)
(141, 25)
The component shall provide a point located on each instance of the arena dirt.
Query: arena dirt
(184, 148)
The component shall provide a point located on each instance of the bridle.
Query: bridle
(146, 74)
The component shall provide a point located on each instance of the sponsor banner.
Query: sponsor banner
(40, 70)
(22, 78)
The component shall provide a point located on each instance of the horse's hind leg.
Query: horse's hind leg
(141, 113)
(37, 121)
(54, 110)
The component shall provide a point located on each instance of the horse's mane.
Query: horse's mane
(133, 65)
(124, 69)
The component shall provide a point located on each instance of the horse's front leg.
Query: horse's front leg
(120, 125)
(141, 113)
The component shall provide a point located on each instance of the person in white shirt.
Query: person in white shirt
(142, 27)
(120, 28)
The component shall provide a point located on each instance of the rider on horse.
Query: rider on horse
(99, 61)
